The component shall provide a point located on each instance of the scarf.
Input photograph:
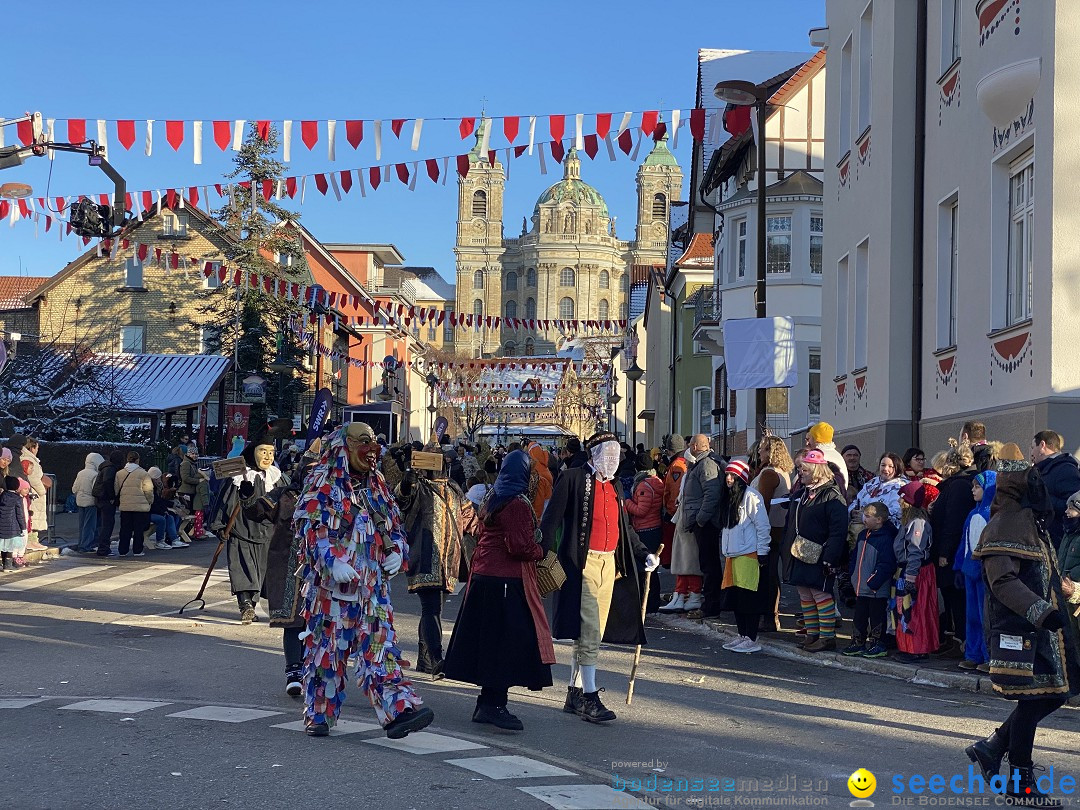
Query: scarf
(513, 480)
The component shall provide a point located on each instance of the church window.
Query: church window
(479, 204)
(510, 350)
(478, 308)
(511, 282)
(530, 309)
(478, 280)
(602, 312)
(530, 347)
(605, 280)
(659, 207)
(566, 309)
(511, 309)
(566, 277)
(530, 277)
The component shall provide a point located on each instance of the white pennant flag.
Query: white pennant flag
(714, 127)
(378, 139)
(415, 172)
(485, 142)
(675, 124)
(543, 163)
(238, 134)
(138, 206)
(360, 182)
(331, 139)
(624, 123)
(637, 146)
(277, 190)
(149, 137)
(303, 188)
(196, 131)
(386, 173)
(334, 184)
(418, 125)
(579, 135)
(206, 196)
(445, 169)
(286, 140)
(103, 137)
(532, 132)
(610, 147)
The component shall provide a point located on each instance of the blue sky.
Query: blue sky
(346, 60)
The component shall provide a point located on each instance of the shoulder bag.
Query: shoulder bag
(804, 550)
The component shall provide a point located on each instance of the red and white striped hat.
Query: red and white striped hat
(740, 469)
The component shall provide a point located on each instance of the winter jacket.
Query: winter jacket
(819, 515)
(673, 478)
(12, 515)
(104, 488)
(645, 504)
(837, 464)
(874, 562)
(189, 476)
(83, 488)
(163, 498)
(38, 492)
(1069, 554)
(134, 488)
(508, 541)
(752, 533)
(702, 492)
(948, 517)
(1061, 474)
(543, 491)
(888, 492)
(913, 548)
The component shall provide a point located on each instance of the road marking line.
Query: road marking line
(109, 584)
(192, 584)
(117, 706)
(510, 767)
(424, 742)
(224, 714)
(19, 703)
(575, 797)
(342, 727)
(51, 579)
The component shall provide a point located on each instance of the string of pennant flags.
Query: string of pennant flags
(226, 134)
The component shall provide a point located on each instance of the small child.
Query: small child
(872, 565)
(12, 522)
(970, 570)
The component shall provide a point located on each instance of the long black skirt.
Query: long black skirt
(494, 639)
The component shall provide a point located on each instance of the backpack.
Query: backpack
(98, 488)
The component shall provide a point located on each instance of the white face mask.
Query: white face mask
(605, 459)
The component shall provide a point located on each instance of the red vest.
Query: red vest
(604, 532)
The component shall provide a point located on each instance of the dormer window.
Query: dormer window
(175, 224)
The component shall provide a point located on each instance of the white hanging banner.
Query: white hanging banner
(418, 125)
(238, 134)
(610, 147)
(485, 141)
(334, 184)
(196, 132)
(675, 124)
(149, 137)
(303, 188)
(103, 137)
(445, 169)
(331, 139)
(286, 140)
(543, 163)
(415, 172)
(637, 146)
(760, 353)
(579, 135)
(532, 132)
(625, 123)
(378, 139)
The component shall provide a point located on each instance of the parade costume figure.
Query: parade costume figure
(353, 542)
(249, 539)
(586, 525)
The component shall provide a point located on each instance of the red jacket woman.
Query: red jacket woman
(645, 503)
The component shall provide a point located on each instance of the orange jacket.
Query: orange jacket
(672, 482)
(543, 492)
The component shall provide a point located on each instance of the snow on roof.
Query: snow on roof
(14, 289)
(430, 277)
(515, 378)
(160, 383)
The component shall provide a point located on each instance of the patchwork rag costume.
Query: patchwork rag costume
(352, 543)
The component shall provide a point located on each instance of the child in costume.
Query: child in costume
(353, 543)
(12, 521)
(970, 569)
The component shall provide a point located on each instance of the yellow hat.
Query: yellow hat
(821, 433)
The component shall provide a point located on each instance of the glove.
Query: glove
(1053, 621)
(247, 489)
(343, 573)
(652, 562)
(391, 563)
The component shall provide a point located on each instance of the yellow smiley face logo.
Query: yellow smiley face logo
(862, 784)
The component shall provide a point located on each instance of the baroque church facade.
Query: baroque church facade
(567, 263)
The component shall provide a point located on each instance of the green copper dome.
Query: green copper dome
(572, 188)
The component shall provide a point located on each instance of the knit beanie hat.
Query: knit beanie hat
(740, 469)
(675, 444)
(1072, 503)
(821, 433)
(854, 447)
(154, 472)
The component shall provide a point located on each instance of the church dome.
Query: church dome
(572, 188)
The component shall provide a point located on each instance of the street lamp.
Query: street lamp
(432, 381)
(747, 94)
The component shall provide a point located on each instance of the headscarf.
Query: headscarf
(988, 481)
(513, 480)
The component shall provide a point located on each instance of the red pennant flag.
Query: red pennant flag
(103, 199)
(466, 127)
(463, 165)
(147, 200)
(626, 141)
(354, 133)
(76, 130)
(174, 134)
(492, 157)
(557, 151)
(262, 130)
(222, 134)
(660, 131)
(510, 127)
(170, 198)
(697, 123)
(267, 189)
(648, 121)
(403, 173)
(217, 188)
(520, 150)
(375, 176)
(290, 186)
(557, 123)
(174, 260)
(309, 131)
(321, 184)
(238, 276)
(592, 146)
(395, 125)
(603, 124)
(157, 255)
(25, 131)
(433, 169)
(192, 195)
(125, 133)
(346, 181)
(142, 251)
(268, 283)
(61, 204)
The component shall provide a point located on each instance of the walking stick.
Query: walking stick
(213, 562)
(637, 651)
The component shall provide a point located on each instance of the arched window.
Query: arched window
(509, 350)
(511, 282)
(530, 277)
(530, 347)
(624, 282)
(530, 309)
(478, 308)
(511, 309)
(478, 280)
(566, 277)
(479, 204)
(602, 312)
(566, 309)
(659, 206)
(605, 280)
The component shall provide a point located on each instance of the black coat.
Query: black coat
(105, 484)
(947, 520)
(565, 526)
(12, 514)
(1061, 474)
(1069, 555)
(822, 519)
(281, 586)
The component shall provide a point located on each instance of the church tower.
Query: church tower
(478, 249)
(659, 183)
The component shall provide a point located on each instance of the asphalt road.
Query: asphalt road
(79, 629)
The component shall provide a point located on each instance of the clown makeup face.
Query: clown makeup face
(362, 447)
(264, 456)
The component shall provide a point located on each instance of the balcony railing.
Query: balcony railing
(707, 306)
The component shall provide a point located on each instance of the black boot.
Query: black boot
(497, 716)
(294, 681)
(408, 721)
(573, 700)
(593, 710)
(247, 607)
(988, 753)
(1025, 793)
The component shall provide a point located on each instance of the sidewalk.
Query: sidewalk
(65, 532)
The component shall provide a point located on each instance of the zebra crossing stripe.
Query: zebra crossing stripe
(108, 584)
(217, 576)
(53, 578)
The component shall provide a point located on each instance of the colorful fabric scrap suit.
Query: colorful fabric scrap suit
(346, 517)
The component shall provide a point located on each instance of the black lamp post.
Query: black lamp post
(748, 94)
(432, 381)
